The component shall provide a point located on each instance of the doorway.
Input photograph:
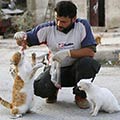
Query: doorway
(96, 12)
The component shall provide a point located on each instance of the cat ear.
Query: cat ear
(88, 84)
(87, 80)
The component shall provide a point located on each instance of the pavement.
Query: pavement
(65, 108)
(109, 48)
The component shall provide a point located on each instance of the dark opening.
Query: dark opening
(96, 12)
(101, 12)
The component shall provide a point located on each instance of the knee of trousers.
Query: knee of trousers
(87, 67)
(43, 88)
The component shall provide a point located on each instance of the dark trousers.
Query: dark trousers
(82, 68)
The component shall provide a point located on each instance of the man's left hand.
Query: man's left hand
(61, 55)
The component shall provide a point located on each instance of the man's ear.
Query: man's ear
(74, 19)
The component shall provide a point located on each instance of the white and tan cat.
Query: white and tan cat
(22, 93)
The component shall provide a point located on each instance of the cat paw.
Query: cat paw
(91, 111)
(38, 65)
(15, 116)
(94, 114)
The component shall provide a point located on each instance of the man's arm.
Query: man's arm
(82, 52)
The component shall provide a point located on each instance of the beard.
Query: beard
(67, 29)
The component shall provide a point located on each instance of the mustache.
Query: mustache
(60, 27)
(67, 29)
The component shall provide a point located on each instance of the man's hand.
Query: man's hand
(20, 35)
(61, 55)
(21, 39)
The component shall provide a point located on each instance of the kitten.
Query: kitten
(98, 39)
(99, 98)
(22, 93)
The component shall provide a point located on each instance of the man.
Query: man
(72, 44)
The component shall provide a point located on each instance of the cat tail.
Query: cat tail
(5, 103)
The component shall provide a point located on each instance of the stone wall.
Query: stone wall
(41, 6)
(112, 11)
(82, 8)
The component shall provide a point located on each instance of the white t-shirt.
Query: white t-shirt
(79, 36)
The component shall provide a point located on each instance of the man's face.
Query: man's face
(63, 22)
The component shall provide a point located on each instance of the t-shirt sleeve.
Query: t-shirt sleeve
(89, 38)
(37, 35)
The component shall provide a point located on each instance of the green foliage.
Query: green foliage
(1, 14)
(24, 22)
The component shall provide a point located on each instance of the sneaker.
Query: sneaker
(52, 99)
(82, 102)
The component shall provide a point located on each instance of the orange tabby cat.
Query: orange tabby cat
(98, 39)
(22, 94)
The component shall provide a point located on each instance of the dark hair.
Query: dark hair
(66, 9)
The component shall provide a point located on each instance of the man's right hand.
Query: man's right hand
(21, 38)
(20, 35)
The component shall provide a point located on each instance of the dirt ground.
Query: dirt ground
(65, 108)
